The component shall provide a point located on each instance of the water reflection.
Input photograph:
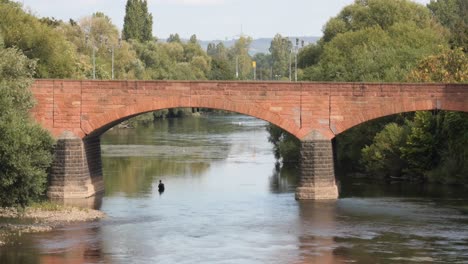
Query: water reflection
(284, 180)
(225, 203)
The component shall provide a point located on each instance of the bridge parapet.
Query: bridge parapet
(313, 112)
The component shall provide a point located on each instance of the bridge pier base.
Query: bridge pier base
(317, 180)
(76, 169)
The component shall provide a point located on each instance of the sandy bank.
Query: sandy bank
(33, 220)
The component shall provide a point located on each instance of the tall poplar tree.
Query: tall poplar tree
(138, 22)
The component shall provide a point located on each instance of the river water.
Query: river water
(225, 203)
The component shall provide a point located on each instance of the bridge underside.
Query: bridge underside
(313, 112)
(77, 169)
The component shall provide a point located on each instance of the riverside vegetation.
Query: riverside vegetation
(394, 41)
(373, 40)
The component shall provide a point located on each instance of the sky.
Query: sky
(209, 19)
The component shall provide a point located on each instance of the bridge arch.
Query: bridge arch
(100, 123)
(78, 111)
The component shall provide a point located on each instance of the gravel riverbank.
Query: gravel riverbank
(33, 220)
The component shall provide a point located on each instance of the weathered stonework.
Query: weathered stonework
(317, 171)
(313, 112)
(72, 176)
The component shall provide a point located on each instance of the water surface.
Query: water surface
(225, 203)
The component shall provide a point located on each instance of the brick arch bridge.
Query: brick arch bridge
(78, 112)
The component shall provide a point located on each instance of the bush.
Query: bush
(25, 148)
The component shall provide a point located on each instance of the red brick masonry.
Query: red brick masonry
(313, 112)
(303, 109)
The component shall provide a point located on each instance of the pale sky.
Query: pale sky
(209, 19)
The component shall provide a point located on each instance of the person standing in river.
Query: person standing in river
(161, 186)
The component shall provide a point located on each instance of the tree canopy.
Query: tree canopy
(25, 147)
(138, 22)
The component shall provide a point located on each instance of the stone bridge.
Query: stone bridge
(78, 112)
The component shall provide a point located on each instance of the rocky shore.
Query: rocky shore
(33, 220)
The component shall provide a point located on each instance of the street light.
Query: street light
(296, 49)
(93, 47)
(295, 59)
(112, 51)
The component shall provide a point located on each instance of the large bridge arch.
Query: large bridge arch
(100, 123)
(78, 111)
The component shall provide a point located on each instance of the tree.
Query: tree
(383, 156)
(449, 66)
(281, 52)
(450, 129)
(264, 69)
(452, 14)
(285, 145)
(221, 68)
(376, 40)
(239, 56)
(174, 38)
(25, 148)
(138, 22)
(55, 55)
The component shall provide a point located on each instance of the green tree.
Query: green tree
(264, 69)
(25, 148)
(449, 66)
(221, 68)
(174, 38)
(285, 146)
(281, 52)
(376, 40)
(55, 56)
(138, 22)
(450, 129)
(452, 14)
(239, 55)
(383, 157)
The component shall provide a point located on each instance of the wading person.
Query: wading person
(160, 186)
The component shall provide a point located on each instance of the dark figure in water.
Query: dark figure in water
(160, 186)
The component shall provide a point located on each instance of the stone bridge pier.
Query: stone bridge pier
(313, 112)
(317, 174)
(77, 168)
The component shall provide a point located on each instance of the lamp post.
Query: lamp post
(237, 67)
(112, 51)
(296, 49)
(295, 59)
(290, 66)
(93, 47)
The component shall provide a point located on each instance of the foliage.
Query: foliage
(452, 14)
(281, 52)
(55, 56)
(383, 157)
(449, 66)
(374, 40)
(138, 22)
(239, 54)
(25, 148)
(221, 68)
(285, 145)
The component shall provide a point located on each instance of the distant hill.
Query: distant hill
(260, 45)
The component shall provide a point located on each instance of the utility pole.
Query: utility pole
(93, 55)
(290, 66)
(295, 66)
(254, 66)
(112, 50)
(237, 67)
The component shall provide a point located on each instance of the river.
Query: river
(225, 203)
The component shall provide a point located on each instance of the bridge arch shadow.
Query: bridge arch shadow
(100, 123)
(348, 145)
